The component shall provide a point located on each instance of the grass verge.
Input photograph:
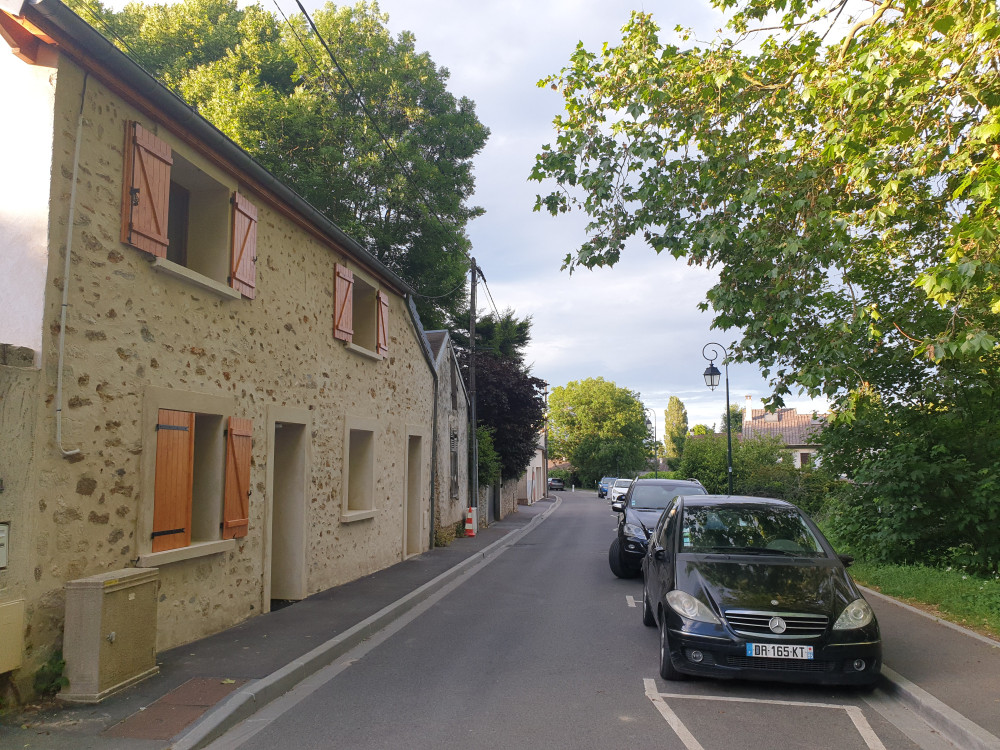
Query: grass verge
(970, 601)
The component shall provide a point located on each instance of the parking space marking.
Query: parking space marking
(659, 700)
(631, 601)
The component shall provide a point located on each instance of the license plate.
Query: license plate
(779, 651)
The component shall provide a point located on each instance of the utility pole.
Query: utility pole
(474, 495)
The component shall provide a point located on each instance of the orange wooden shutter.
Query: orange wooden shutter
(382, 341)
(236, 520)
(146, 190)
(243, 273)
(343, 304)
(174, 481)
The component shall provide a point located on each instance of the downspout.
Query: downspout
(66, 267)
(434, 454)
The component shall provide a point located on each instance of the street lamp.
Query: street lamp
(656, 458)
(712, 375)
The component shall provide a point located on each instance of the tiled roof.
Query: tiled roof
(793, 428)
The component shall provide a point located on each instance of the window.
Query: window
(201, 484)
(361, 312)
(359, 466)
(195, 226)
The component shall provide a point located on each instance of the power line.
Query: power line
(488, 292)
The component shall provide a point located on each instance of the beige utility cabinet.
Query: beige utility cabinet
(110, 637)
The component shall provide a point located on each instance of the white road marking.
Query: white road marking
(856, 714)
(675, 723)
(631, 601)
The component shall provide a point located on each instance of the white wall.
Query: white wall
(26, 135)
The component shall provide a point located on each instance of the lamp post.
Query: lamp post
(712, 380)
(656, 458)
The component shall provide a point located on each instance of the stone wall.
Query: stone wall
(131, 328)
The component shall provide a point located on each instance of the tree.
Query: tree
(705, 459)
(735, 415)
(510, 402)
(846, 191)
(599, 428)
(374, 140)
(701, 429)
(675, 427)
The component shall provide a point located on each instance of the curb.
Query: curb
(252, 697)
(948, 722)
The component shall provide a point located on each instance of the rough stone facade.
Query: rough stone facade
(139, 338)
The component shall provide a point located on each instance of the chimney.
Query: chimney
(747, 413)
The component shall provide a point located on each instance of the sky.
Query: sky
(636, 323)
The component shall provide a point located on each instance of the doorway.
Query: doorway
(288, 507)
(413, 535)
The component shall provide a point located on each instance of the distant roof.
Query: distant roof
(436, 339)
(793, 428)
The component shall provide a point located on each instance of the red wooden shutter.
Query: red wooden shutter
(146, 190)
(343, 304)
(236, 519)
(382, 332)
(174, 481)
(243, 272)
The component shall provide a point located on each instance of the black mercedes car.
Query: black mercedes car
(640, 507)
(749, 587)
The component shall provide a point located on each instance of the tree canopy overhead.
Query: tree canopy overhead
(843, 177)
(368, 133)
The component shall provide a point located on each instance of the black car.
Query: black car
(640, 508)
(555, 483)
(749, 587)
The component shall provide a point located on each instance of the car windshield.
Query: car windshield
(655, 496)
(748, 529)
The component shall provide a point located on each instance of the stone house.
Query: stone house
(200, 374)
(451, 439)
(533, 486)
(797, 431)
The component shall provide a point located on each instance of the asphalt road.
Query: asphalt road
(545, 648)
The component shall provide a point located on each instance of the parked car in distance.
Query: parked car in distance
(749, 587)
(555, 483)
(640, 509)
(618, 488)
(604, 485)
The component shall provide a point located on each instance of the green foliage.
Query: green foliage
(754, 459)
(275, 91)
(701, 429)
(49, 679)
(925, 480)
(735, 415)
(489, 459)
(675, 427)
(955, 594)
(599, 428)
(847, 193)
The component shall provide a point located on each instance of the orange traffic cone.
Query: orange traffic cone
(470, 529)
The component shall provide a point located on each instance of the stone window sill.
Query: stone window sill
(196, 549)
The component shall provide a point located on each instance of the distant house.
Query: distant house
(797, 431)
(451, 491)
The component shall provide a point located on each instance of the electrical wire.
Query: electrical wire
(488, 292)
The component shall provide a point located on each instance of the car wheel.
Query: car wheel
(648, 618)
(615, 561)
(667, 671)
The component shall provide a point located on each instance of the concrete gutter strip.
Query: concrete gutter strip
(957, 729)
(254, 696)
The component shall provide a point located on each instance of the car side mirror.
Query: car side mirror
(618, 507)
(846, 559)
(659, 553)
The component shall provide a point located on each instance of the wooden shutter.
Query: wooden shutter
(239, 441)
(243, 271)
(146, 190)
(343, 304)
(174, 482)
(382, 330)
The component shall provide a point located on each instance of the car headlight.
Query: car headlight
(687, 606)
(631, 529)
(857, 614)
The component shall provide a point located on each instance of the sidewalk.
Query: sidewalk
(213, 683)
(948, 676)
